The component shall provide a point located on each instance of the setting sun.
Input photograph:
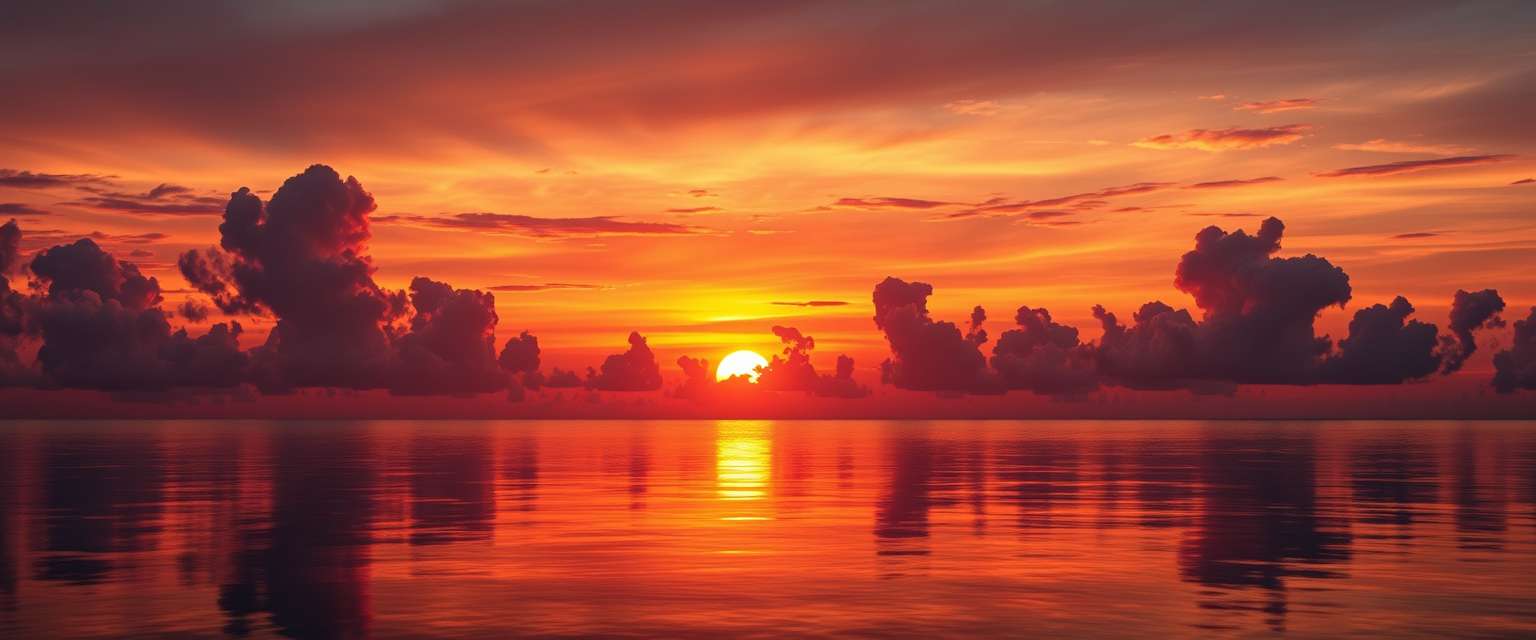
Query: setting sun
(740, 363)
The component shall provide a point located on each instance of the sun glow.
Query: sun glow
(740, 363)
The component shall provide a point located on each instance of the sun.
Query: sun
(740, 363)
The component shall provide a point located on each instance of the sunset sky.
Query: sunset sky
(702, 172)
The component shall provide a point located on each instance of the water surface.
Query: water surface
(742, 528)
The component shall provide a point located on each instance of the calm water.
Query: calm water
(496, 529)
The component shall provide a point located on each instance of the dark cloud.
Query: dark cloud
(1227, 139)
(1223, 184)
(1043, 356)
(1470, 311)
(13, 306)
(102, 327)
(20, 209)
(633, 370)
(1515, 367)
(1417, 235)
(1384, 347)
(702, 193)
(30, 180)
(812, 303)
(449, 349)
(562, 379)
(141, 253)
(791, 370)
(1277, 106)
(190, 207)
(925, 355)
(129, 238)
(193, 310)
(10, 246)
(547, 227)
(1413, 166)
(1523, 181)
(1080, 201)
(890, 203)
(520, 354)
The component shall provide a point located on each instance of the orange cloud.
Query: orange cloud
(1222, 184)
(1227, 139)
(515, 224)
(1381, 145)
(1277, 106)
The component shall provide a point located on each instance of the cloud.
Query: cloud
(546, 286)
(893, 203)
(1384, 347)
(513, 224)
(102, 328)
(20, 209)
(633, 370)
(792, 370)
(129, 238)
(520, 354)
(30, 180)
(702, 193)
(692, 209)
(812, 303)
(1227, 139)
(1080, 201)
(925, 355)
(1515, 367)
(1523, 181)
(193, 310)
(1470, 311)
(1415, 235)
(1413, 166)
(1277, 106)
(974, 107)
(1381, 145)
(196, 207)
(1223, 184)
(449, 347)
(1043, 356)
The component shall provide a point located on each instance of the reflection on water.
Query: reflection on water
(455, 529)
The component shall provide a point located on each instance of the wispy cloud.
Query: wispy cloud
(1414, 166)
(813, 303)
(1223, 184)
(515, 224)
(884, 203)
(693, 209)
(546, 286)
(974, 107)
(30, 180)
(1277, 106)
(1227, 139)
(1381, 145)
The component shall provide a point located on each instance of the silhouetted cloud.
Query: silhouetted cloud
(520, 354)
(30, 180)
(20, 209)
(1413, 166)
(891, 203)
(449, 348)
(792, 370)
(1277, 106)
(812, 303)
(198, 207)
(531, 226)
(633, 370)
(1227, 139)
(193, 310)
(1222, 184)
(1415, 235)
(1523, 181)
(1384, 347)
(1515, 367)
(1043, 356)
(1470, 311)
(925, 355)
(562, 379)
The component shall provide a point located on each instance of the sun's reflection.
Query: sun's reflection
(742, 459)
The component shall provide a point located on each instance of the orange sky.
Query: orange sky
(801, 151)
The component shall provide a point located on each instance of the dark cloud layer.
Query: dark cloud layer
(30, 180)
(1414, 166)
(926, 355)
(633, 370)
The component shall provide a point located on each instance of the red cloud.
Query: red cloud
(1227, 139)
(899, 203)
(1221, 184)
(1412, 166)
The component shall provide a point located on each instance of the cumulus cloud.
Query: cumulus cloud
(1470, 311)
(926, 355)
(514, 224)
(1384, 347)
(12, 306)
(1415, 166)
(1041, 355)
(1277, 106)
(1227, 139)
(633, 370)
(1515, 367)
(1223, 184)
(792, 370)
(449, 348)
(520, 354)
